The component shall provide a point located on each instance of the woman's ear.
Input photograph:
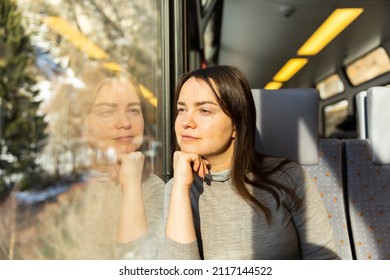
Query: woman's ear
(234, 133)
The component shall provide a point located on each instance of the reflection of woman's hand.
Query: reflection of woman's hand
(130, 170)
(186, 165)
(132, 222)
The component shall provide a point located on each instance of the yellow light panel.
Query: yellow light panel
(113, 66)
(273, 85)
(331, 27)
(149, 96)
(289, 69)
(65, 29)
(145, 92)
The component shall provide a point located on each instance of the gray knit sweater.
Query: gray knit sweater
(228, 228)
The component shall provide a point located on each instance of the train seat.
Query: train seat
(287, 124)
(368, 179)
(360, 100)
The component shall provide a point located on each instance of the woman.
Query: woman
(226, 201)
(117, 212)
(115, 129)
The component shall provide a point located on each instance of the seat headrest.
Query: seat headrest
(378, 120)
(287, 123)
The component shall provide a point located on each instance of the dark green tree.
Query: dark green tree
(22, 129)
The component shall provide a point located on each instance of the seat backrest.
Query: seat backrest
(368, 179)
(287, 122)
(378, 120)
(360, 100)
(328, 177)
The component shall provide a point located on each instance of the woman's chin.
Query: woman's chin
(126, 149)
(191, 150)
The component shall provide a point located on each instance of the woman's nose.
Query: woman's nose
(123, 121)
(188, 121)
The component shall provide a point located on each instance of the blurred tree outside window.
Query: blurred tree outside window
(22, 127)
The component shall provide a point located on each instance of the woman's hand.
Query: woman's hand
(130, 169)
(186, 165)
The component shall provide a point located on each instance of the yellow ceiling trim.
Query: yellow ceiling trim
(79, 40)
(290, 69)
(331, 27)
(273, 85)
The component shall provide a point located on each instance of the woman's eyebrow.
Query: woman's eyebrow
(199, 103)
(105, 104)
(181, 103)
(133, 104)
(116, 105)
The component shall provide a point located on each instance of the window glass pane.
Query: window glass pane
(81, 89)
(334, 115)
(368, 67)
(205, 4)
(208, 37)
(330, 86)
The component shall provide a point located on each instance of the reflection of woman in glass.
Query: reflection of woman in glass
(115, 128)
(117, 213)
(226, 201)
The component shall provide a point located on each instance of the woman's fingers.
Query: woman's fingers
(202, 167)
(131, 167)
(189, 163)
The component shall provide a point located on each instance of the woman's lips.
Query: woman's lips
(124, 138)
(188, 138)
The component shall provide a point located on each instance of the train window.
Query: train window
(330, 86)
(82, 82)
(208, 37)
(372, 65)
(334, 115)
(205, 4)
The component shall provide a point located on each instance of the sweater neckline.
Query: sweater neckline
(221, 176)
(99, 176)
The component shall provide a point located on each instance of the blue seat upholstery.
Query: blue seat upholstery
(287, 122)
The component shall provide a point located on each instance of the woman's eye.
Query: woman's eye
(180, 110)
(134, 110)
(106, 113)
(205, 111)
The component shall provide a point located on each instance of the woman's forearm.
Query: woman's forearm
(180, 225)
(132, 221)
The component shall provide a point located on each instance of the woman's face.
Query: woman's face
(116, 119)
(201, 126)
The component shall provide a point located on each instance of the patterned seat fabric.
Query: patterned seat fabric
(327, 176)
(369, 201)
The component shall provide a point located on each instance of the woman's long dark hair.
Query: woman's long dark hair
(232, 91)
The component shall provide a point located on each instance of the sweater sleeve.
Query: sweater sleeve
(315, 232)
(170, 249)
(146, 247)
